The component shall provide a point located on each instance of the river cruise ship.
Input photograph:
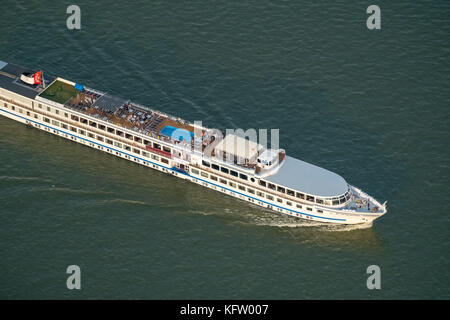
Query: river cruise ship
(227, 163)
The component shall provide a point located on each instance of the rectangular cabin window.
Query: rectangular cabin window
(299, 206)
(271, 186)
(280, 189)
(250, 191)
(75, 130)
(335, 202)
(243, 176)
(320, 201)
(289, 203)
(205, 163)
(290, 193)
(136, 151)
(82, 120)
(93, 124)
(232, 184)
(342, 200)
(6, 105)
(163, 160)
(146, 142)
(259, 194)
(156, 146)
(128, 136)
(101, 127)
(119, 133)
(262, 183)
(268, 196)
(145, 154)
(224, 170)
(241, 187)
(37, 117)
(64, 126)
(20, 110)
(82, 132)
(310, 198)
(309, 209)
(74, 118)
(48, 109)
(39, 106)
(55, 123)
(213, 178)
(223, 181)
(166, 149)
(56, 111)
(300, 195)
(214, 166)
(66, 114)
(13, 108)
(233, 173)
(138, 140)
(128, 148)
(154, 157)
(319, 211)
(90, 135)
(118, 144)
(108, 141)
(279, 200)
(195, 171)
(204, 174)
(47, 120)
(110, 130)
(100, 138)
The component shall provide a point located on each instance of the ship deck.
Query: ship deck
(10, 80)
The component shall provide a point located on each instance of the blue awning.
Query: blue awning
(177, 133)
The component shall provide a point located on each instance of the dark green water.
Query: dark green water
(372, 106)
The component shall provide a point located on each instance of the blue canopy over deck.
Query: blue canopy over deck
(177, 133)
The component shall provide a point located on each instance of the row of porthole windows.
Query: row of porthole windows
(98, 137)
(249, 190)
(109, 130)
(155, 157)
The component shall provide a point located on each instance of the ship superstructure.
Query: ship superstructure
(227, 163)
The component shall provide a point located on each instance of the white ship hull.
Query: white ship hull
(282, 184)
(326, 217)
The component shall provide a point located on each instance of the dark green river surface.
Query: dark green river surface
(370, 105)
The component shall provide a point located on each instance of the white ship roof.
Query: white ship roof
(239, 146)
(305, 177)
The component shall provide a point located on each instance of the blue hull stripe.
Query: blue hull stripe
(145, 160)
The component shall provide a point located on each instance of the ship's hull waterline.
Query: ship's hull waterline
(275, 181)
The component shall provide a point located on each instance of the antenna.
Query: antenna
(43, 80)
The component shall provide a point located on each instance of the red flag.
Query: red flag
(37, 77)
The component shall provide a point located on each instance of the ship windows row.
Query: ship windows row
(148, 144)
(244, 188)
(91, 135)
(103, 139)
(327, 201)
(225, 170)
